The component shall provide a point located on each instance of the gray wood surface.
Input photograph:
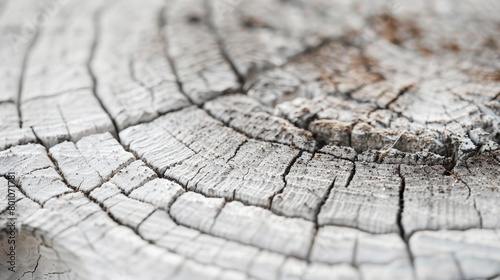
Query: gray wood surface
(263, 139)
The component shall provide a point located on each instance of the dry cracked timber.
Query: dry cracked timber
(264, 139)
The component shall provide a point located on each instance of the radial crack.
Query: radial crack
(285, 173)
(23, 71)
(400, 218)
(97, 33)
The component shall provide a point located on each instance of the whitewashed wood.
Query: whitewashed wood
(435, 201)
(321, 271)
(24, 207)
(104, 154)
(247, 115)
(58, 118)
(273, 86)
(4, 200)
(253, 48)
(111, 197)
(261, 34)
(14, 50)
(157, 225)
(259, 227)
(198, 246)
(171, 234)
(398, 269)
(316, 102)
(134, 79)
(30, 257)
(155, 146)
(376, 255)
(57, 99)
(133, 176)
(45, 78)
(104, 192)
(457, 88)
(340, 152)
(393, 156)
(229, 275)
(68, 241)
(239, 179)
(296, 269)
(196, 211)
(293, 268)
(184, 133)
(370, 202)
(34, 172)
(80, 175)
(191, 270)
(266, 265)
(302, 110)
(10, 133)
(365, 137)
(91, 161)
(469, 254)
(480, 174)
(333, 68)
(206, 249)
(236, 256)
(158, 192)
(460, 101)
(234, 165)
(125, 210)
(309, 183)
(200, 67)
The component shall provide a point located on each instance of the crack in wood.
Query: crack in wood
(402, 233)
(23, 71)
(221, 46)
(285, 174)
(448, 123)
(96, 35)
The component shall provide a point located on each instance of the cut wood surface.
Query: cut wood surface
(263, 139)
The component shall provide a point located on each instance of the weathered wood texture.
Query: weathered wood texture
(263, 139)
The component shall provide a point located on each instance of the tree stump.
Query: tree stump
(263, 139)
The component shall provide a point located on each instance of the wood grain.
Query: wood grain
(231, 139)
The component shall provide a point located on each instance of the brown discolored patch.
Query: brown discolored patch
(395, 30)
(365, 65)
(253, 22)
(413, 29)
(387, 26)
(331, 132)
(424, 50)
(451, 46)
(490, 43)
(493, 76)
(483, 75)
(325, 77)
(363, 61)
